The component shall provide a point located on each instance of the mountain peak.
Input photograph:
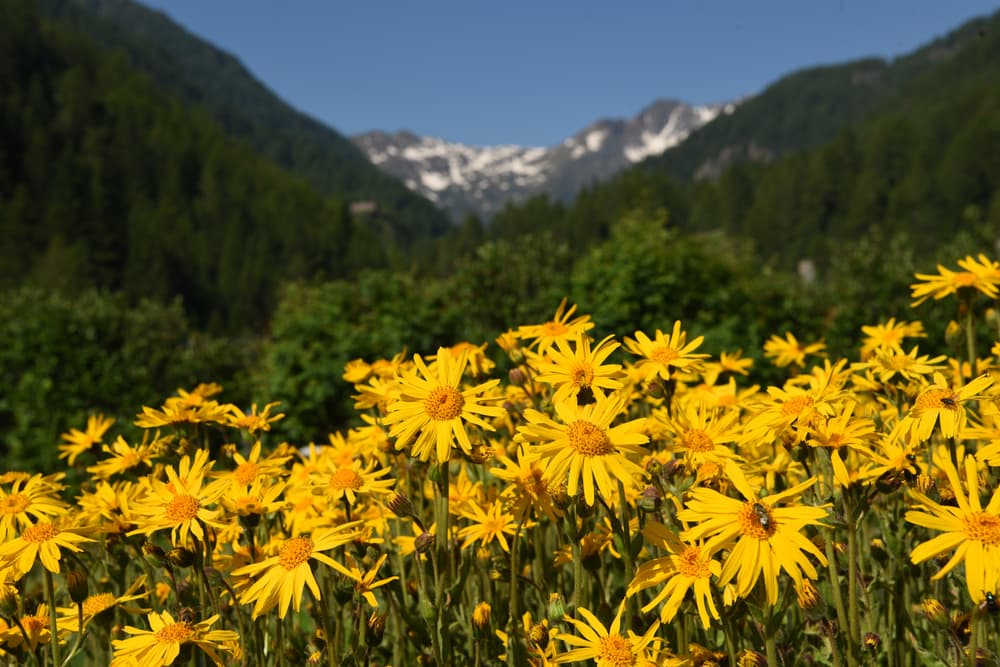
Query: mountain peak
(466, 179)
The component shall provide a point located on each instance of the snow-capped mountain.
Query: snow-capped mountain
(481, 179)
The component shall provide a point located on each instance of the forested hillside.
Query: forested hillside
(201, 75)
(921, 163)
(106, 181)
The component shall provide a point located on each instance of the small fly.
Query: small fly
(763, 515)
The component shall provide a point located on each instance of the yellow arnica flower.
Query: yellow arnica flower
(940, 404)
(100, 603)
(689, 566)
(180, 504)
(493, 523)
(973, 532)
(982, 275)
(580, 373)
(41, 541)
(585, 448)
(77, 442)
(788, 350)
(29, 500)
(284, 577)
(431, 412)
(606, 646)
(161, 644)
(353, 480)
(122, 457)
(253, 422)
(889, 335)
(560, 327)
(767, 537)
(664, 354)
(364, 582)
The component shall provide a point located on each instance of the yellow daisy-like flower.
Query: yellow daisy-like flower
(253, 422)
(767, 536)
(889, 363)
(699, 433)
(527, 490)
(606, 646)
(687, 567)
(664, 354)
(973, 532)
(940, 404)
(431, 412)
(28, 501)
(580, 372)
(100, 603)
(77, 442)
(41, 541)
(980, 276)
(585, 448)
(180, 504)
(36, 630)
(478, 364)
(123, 457)
(252, 468)
(109, 506)
(560, 327)
(354, 480)
(364, 582)
(493, 523)
(180, 414)
(889, 335)
(281, 579)
(161, 644)
(788, 350)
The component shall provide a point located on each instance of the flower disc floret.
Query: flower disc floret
(444, 403)
(295, 552)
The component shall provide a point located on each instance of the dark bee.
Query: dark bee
(948, 401)
(763, 515)
(990, 604)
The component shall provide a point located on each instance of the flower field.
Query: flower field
(547, 498)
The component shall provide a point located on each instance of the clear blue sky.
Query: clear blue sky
(536, 72)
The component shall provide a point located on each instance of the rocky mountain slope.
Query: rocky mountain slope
(466, 179)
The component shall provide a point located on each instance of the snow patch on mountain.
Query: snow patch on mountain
(482, 179)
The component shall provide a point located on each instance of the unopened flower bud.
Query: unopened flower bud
(375, 629)
(538, 635)
(424, 542)
(556, 608)
(872, 642)
(751, 659)
(807, 594)
(935, 611)
(400, 504)
(154, 554)
(481, 615)
(517, 377)
(180, 557)
(76, 583)
(656, 390)
(650, 500)
(9, 601)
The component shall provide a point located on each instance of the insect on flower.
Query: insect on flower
(763, 515)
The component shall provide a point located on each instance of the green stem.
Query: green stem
(631, 603)
(50, 597)
(772, 650)
(852, 577)
(838, 596)
(447, 570)
(514, 653)
(79, 635)
(974, 636)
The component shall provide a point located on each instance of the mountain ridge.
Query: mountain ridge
(480, 180)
